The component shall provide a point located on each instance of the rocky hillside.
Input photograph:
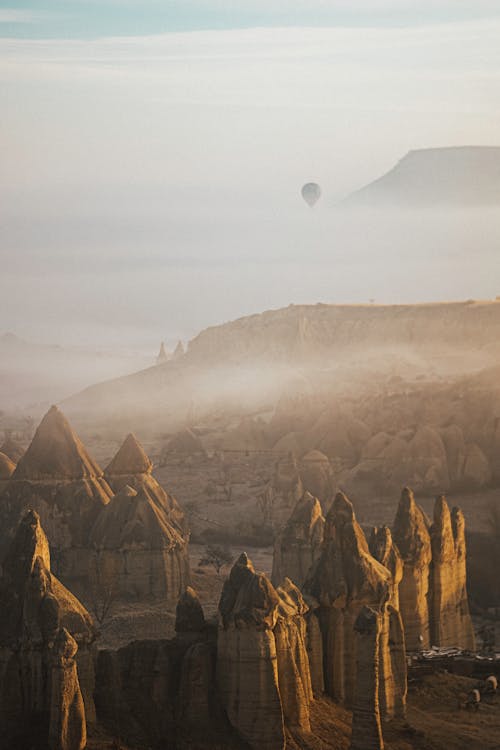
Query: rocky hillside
(463, 175)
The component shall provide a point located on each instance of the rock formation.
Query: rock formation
(44, 631)
(366, 725)
(131, 466)
(411, 535)
(298, 544)
(262, 665)
(346, 578)
(433, 591)
(138, 552)
(450, 622)
(317, 476)
(162, 355)
(57, 478)
(6, 467)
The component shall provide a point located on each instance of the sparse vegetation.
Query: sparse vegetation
(217, 557)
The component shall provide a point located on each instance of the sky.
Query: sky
(153, 154)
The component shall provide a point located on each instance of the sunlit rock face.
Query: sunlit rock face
(262, 665)
(346, 578)
(57, 478)
(411, 535)
(298, 545)
(366, 724)
(450, 621)
(45, 635)
(433, 589)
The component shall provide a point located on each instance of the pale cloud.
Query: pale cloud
(15, 15)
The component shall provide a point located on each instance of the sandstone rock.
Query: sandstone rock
(189, 617)
(137, 549)
(298, 545)
(411, 535)
(454, 442)
(57, 478)
(185, 442)
(262, 665)
(366, 725)
(41, 629)
(6, 467)
(131, 466)
(449, 612)
(346, 578)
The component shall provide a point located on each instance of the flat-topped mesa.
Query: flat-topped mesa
(262, 665)
(346, 578)
(450, 620)
(298, 545)
(45, 640)
(412, 538)
(131, 466)
(137, 549)
(57, 478)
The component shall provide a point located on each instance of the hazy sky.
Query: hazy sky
(150, 177)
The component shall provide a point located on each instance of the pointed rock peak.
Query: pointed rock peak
(244, 561)
(380, 542)
(407, 501)
(56, 452)
(179, 350)
(189, 617)
(11, 449)
(442, 516)
(6, 466)
(410, 531)
(306, 510)
(458, 524)
(342, 508)
(28, 545)
(130, 459)
(162, 354)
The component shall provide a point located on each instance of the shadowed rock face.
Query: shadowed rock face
(131, 466)
(11, 449)
(189, 617)
(411, 535)
(137, 550)
(57, 478)
(262, 665)
(451, 624)
(41, 629)
(299, 543)
(140, 537)
(366, 725)
(345, 579)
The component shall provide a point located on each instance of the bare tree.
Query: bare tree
(217, 557)
(102, 591)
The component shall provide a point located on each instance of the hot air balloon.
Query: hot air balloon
(311, 193)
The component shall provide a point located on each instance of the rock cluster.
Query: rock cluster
(140, 538)
(46, 666)
(345, 579)
(57, 478)
(433, 594)
(262, 665)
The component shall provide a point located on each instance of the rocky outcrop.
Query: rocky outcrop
(189, 617)
(411, 535)
(346, 578)
(57, 478)
(137, 551)
(298, 545)
(366, 725)
(317, 476)
(450, 621)
(262, 665)
(131, 466)
(43, 630)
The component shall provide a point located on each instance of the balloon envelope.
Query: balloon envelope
(311, 193)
